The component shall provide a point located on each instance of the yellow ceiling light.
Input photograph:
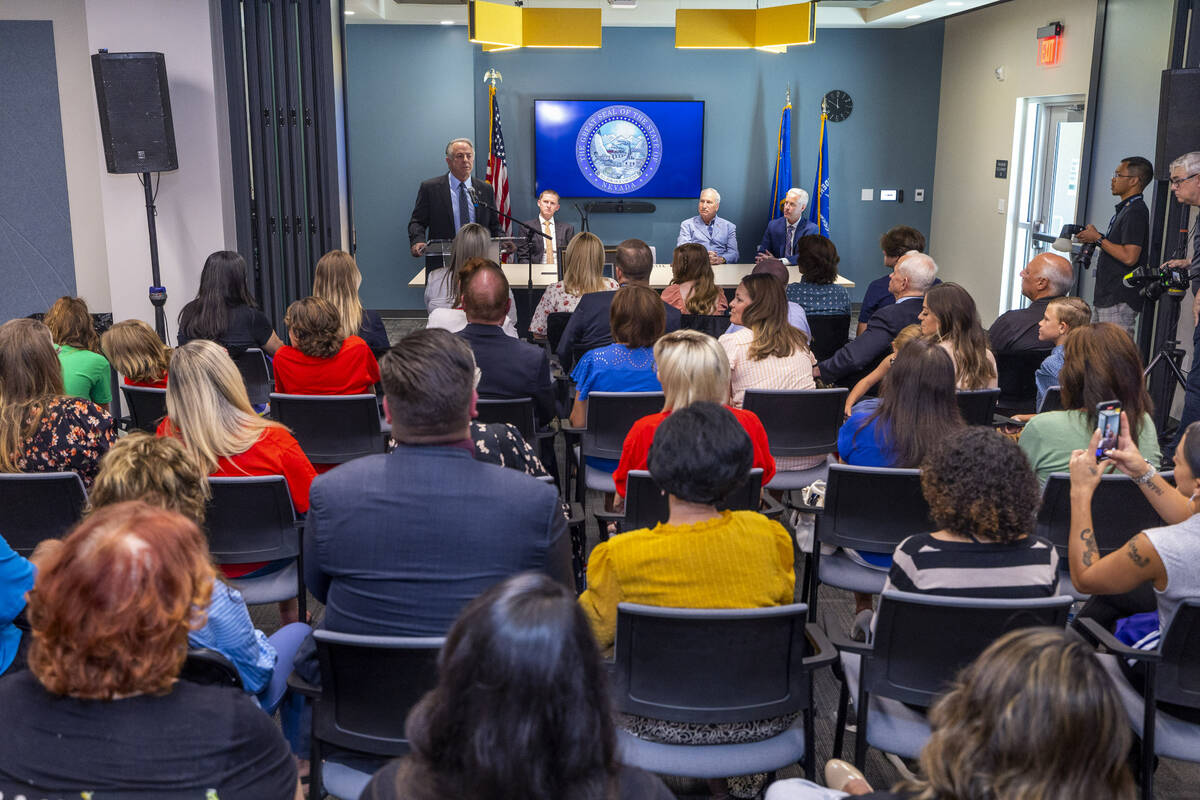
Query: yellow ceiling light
(770, 29)
(503, 27)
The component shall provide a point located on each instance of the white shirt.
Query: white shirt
(548, 245)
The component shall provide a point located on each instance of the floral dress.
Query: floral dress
(555, 299)
(72, 436)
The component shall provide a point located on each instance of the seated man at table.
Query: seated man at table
(589, 326)
(780, 237)
(715, 234)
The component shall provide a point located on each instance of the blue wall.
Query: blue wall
(37, 263)
(405, 81)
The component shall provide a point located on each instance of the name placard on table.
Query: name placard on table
(728, 276)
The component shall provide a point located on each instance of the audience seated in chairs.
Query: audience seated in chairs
(950, 318)
(1063, 315)
(135, 351)
(443, 288)
(1100, 363)
(1048, 276)
(319, 360)
(207, 408)
(692, 368)
(454, 318)
(693, 288)
(521, 709)
(42, 429)
(699, 455)
(101, 709)
(895, 243)
(817, 291)
(224, 310)
(795, 312)
(337, 279)
(583, 273)
(1166, 557)
(907, 334)
(85, 370)
(1034, 716)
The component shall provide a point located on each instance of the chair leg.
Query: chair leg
(316, 789)
(860, 718)
(1149, 714)
(812, 579)
(810, 736)
(839, 731)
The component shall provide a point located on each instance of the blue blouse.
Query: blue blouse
(615, 368)
(820, 299)
(16, 578)
(868, 447)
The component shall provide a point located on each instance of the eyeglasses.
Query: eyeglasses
(1119, 175)
(1176, 181)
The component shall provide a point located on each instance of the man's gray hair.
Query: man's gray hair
(715, 194)
(453, 142)
(1058, 273)
(799, 193)
(1190, 162)
(919, 268)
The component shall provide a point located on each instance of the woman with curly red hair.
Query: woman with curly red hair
(101, 709)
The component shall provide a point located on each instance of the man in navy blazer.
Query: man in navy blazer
(782, 233)
(437, 213)
(589, 326)
(912, 277)
(398, 544)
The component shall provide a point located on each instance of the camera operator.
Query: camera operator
(1185, 183)
(1123, 247)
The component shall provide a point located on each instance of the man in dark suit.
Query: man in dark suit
(559, 232)
(1044, 278)
(508, 367)
(912, 277)
(782, 233)
(588, 326)
(397, 544)
(444, 205)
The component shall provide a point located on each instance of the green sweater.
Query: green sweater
(85, 374)
(1049, 438)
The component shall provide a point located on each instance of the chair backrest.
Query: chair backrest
(515, 411)
(712, 324)
(646, 504)
(710, 665)
(1014, 373)
(829, 334)
(922, 640)
(147, 406)
(38, 505)
(556, 323)
(1179, 673)
(872, 508)
(251, 519)
(1119, 512)
(978, 406)
(331, 429)
(209, 668)
(610, 415)
(256, 374)
(801, 422)
(1052, 401)
(368, 686)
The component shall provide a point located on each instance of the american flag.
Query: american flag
(497, 165)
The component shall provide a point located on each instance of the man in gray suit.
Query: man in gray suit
(397, 544)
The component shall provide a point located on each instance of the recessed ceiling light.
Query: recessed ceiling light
(348, 13)
(913, 16)
(447, 22)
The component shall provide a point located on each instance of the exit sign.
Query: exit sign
(1049, 44)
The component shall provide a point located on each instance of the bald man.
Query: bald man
(1044, 278)
(715, 234)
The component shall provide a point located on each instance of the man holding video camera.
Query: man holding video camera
(1123, 247)
(1185, 183)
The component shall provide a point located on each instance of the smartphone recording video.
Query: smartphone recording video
(1109, 422)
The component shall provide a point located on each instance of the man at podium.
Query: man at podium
(447, 202)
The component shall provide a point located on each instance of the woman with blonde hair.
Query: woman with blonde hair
(337, 280)
(319, 359)
(42, 429)
(85, 370)
(692, 368)
(135, 351)
(693, 288)
(950, 318)
(583, 273)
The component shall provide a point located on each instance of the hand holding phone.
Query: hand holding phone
(1108, 416)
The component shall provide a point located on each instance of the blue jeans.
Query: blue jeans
(292, 712)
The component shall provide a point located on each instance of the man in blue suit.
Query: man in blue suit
(782, 233)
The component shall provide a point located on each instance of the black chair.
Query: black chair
(801, 422)
(871, 509)
(1052, 401)
(1014, 372)
(38, 505)
(556, 323)
(610, 415)
(712, 324)
(921, 642)
(249, 520)
(717, 666)
(646, 504)
(256, 374)
(829, 334)
(1172, 675)
(331, 429)
(1119, 511)
(368, 685)
(515, 411)
(978, 406)
(147, 406)
(209, 668)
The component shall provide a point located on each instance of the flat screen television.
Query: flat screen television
(618, 148)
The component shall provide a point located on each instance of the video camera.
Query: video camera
(1063, 244)
(1153, 282)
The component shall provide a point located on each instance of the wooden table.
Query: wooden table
(728, 276)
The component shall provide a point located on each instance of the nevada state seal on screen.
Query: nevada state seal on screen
(618, 149)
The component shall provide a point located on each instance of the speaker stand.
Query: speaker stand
(158, 293)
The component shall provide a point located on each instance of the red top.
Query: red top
(351, 370)
(161, 383)
(637, 445)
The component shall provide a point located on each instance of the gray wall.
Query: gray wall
(36, 261)
(405, 83)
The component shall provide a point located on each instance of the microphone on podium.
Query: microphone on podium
(471, 194)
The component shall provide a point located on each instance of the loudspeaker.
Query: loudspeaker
(135, 112)
(1178, 118)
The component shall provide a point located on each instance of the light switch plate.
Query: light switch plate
(868, 195)
(919, 195)
(1001, 203)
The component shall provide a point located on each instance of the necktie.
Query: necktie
(548, 244)
(464, 205)
(791, 236)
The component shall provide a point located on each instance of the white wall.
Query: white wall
(976, 118)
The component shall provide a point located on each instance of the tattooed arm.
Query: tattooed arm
(1172, 506)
